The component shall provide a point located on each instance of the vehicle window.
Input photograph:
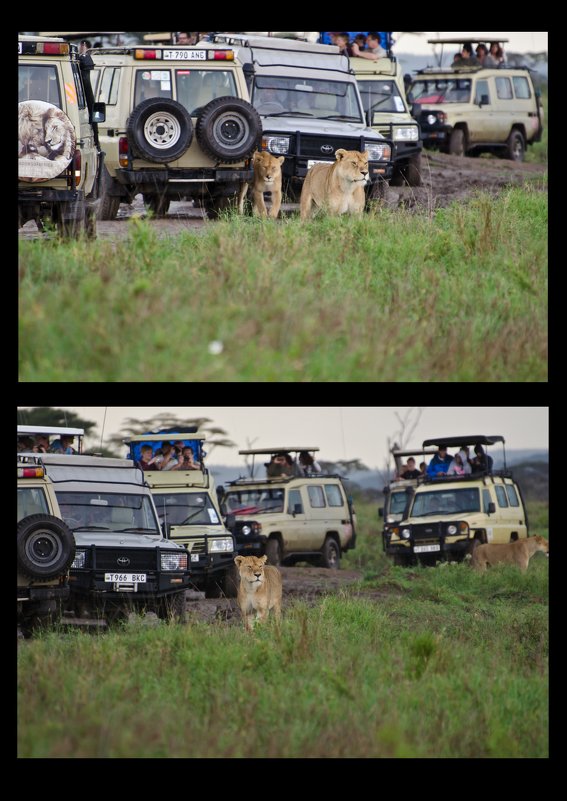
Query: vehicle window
(78, 86)
(196, 88)
(323, 99)
(381, 96)
(481, 90)
(294, 500)
(108, 92)
(512, 495)
(446, 90)
(334, 495)
(486, 499)
(254, 501)
(447, 502)
(38, 83)
(522, 88)
(152, 83)
(186, 509)
(504, 88)
(108, 511)
(31, 501)
(501, 495)
(316, 497)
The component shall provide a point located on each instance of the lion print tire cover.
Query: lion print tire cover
(46, 141)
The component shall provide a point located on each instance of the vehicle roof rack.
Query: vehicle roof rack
(277, 450)
(476, 439)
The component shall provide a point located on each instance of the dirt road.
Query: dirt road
(445, 179)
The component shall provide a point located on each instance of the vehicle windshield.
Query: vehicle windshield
(186, 509)
(381, 96)
(440, 90)
(446, 502)
(324, 99)
(108, 511)
(248, 502)
(398, 502)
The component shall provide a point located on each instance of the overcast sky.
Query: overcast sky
(340, 432)
(518, 42)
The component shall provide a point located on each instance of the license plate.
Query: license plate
(186, 55)
(426, 548)
(311, 162)
(123, 578)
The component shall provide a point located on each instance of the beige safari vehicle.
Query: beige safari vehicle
(45, 547)
(178, 126)
(188, 509)
(469, 110)
(59, 159)
(443, 517)
(382, 89)
(290, 517)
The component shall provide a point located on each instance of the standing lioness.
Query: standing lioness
(516, 553)
(337, 188)
(267, 178)
(260, 589)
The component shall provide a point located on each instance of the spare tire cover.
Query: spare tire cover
(46, 141)
(229, 129)
(159, 129)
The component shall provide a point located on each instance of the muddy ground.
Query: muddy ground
(445, 179)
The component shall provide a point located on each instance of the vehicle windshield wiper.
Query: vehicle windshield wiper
(90, 528)
(340, 117)
(136, 528)
(437, 512)
(190, 517)
(290, 113)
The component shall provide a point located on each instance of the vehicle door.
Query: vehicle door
(77, 110)
(317, 516)
(517, 511)
(507, 517)
(525, 105)
(482, 127)
(294, 527)
(504, 114)
(338, 514)
(492, 524)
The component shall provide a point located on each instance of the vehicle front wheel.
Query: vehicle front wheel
(274, 552)
(331, 554)
(457, 142)
(515, 147)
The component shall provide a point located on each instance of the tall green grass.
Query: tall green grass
(458, 295)
(408, 663)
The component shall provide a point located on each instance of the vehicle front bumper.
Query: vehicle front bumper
(458, 547)
(92, 583)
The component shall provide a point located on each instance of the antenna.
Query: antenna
(342, 432)
(103, 424)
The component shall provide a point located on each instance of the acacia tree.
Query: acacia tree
(400, 439)
(48, 416)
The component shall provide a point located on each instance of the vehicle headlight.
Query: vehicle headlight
(224, 545)
(451, 530)
(378, 151)
(276, 144)
(246, 530)
(406, 533)
(409, 134)
(79, 560)
(431, 119)
(174, 561)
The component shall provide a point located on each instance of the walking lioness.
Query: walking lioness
(513, 553)
(338, 188)
(260, 589)
(267, 178)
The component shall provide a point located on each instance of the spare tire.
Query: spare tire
(45, 546)
(229, 129)
(46, 141)
(160, 130)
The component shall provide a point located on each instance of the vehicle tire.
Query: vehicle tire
(515, 146)
(109, 204)
(457, 142)
(331, 554)
(229, 129)
(173, 607)
(231, 582)
(159, 130)
(412, 170)
(397, 178)
(45, 546)
(158, 204)
(274, 552)
(214, 588)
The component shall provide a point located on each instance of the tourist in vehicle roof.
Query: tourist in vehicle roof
(440, 463)
(374, 49)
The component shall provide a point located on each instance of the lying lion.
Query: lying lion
(337, 188)
(516, 553)
(260, 589)
(267, 178)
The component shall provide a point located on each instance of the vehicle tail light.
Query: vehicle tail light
(123, 155)
(146, 53)
(30, 472)
(77, 167)
(53, 48)
(224, 55)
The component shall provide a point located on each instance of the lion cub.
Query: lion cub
(338, 188)
(260, 589)
(267, 178)
(516, 553)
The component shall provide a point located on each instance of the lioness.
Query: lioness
(339, 187)
(514, 553)
(260, 589)
(267, 178)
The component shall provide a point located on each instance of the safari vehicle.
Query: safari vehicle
(52, 433)
(290, 518)
(59, 158)
(45, 547)
(122, 561)
(178, 126)
(309, 103)
(469, 110)
(446, 517)
(189, 513)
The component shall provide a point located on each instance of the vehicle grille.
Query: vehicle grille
(310, 146)
(426, 531)
(140, 559)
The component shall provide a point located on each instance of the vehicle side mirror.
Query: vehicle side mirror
(491, 508)
(297, 509)
(229, 521)
(483, 101)
(99, 112)
(381, 512)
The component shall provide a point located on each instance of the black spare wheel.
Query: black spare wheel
(45, 546)
(160, 130)
(229, 129)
